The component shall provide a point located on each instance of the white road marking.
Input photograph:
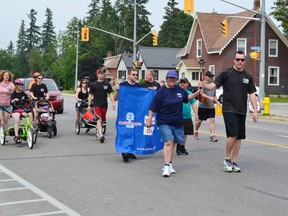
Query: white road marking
(42, 194)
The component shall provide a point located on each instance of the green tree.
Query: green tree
(7, 61)
(33, 32)
(280, 13)
(175, 28)
(21, 52)
(48, 33)
(10, 48)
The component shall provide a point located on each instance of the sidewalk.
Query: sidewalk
(277, 111)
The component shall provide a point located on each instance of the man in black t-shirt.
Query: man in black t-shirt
(149, 81)
(237, 84)
(98, 91)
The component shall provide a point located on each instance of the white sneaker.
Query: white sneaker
(166, 171)
(227, 165)
(171, 169)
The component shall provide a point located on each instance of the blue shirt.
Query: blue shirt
(167, 103)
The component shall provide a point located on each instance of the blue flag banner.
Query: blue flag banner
(132, 134)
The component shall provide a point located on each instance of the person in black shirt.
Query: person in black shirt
(149, 81)
(237, 84)
(98, 91)
(37, 91)
(17, 103)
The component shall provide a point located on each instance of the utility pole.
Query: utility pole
(262, 46)
(76, 68)
(262, 56)
(135, 34)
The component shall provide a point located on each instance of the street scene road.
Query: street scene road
(77, 175)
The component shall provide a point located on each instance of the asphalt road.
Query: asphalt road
(77, 175)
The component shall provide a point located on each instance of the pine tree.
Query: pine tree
(21, 52)
(48, 33)
(175, 28)
(33, 31)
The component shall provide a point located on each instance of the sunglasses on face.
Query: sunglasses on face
(84, 82)
(20, 84)
(238, 59)
(134, 74)
(40, 78)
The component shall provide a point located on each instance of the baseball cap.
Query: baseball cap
(172, 73)
(184, 79)
(209, 74)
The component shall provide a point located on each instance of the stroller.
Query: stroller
(46, 117)
(88, 119)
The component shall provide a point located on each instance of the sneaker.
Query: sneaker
(125, 157)
(213, 138)
(166, 171)
(102, 138)
(227, 165)
(132, 156)
(196, 136)
(184, 151)
(235, 167)
(171, 169)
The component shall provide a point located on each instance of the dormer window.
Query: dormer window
(199, 48)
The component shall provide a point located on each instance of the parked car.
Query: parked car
(56, 97)
(219, 93)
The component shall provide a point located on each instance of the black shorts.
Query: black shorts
(205, 113)
(235, 125)
(188, 127)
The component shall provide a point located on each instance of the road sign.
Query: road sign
(257, 48)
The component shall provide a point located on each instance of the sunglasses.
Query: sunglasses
(20, 84)
(134, 74)
(238, 59)
(84, 82)
(40, 78)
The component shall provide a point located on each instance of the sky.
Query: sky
(13, 11)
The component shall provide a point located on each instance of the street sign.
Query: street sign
(257, 48)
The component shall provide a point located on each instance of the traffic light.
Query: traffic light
(225, 27)
(188, 6)
(154, 38)
(85, 34)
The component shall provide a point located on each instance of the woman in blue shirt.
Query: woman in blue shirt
(167, 103)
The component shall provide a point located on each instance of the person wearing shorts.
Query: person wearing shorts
(98, 91)
(6, 89)
(187, 118)
(237, 84)
(206, 109)
(167, 103)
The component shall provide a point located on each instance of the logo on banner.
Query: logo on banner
(129, 123)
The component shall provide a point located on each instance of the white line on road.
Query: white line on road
(39, 192)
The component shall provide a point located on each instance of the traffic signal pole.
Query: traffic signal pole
(262, 45)
(76, 68)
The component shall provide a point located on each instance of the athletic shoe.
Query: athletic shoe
(196, 136)
(132, 156)
(235, 167)
(166, 171)
(171, 169)
(213, 138)
(125, 157)
(102, 138)
(227, 165)
(184, 151)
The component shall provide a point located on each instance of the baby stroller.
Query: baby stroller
(88, 119)
(46, 118)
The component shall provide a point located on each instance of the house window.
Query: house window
(122, 74)
(195, 75)
(273, 48)
(212, 68)
(273, 76)
(142, 74)
(199, 48)
(156, 74)
(241, 45)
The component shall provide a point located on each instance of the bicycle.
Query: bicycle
(26, 130)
